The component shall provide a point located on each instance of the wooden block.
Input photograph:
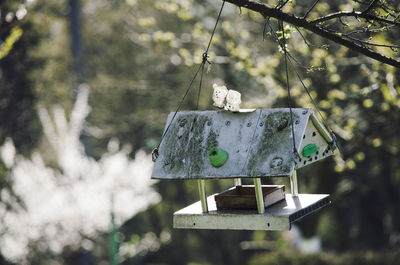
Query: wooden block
(243, 197)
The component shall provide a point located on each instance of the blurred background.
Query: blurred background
(85, 90)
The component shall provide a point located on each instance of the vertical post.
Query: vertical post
(238, 181)
(293, 184)
(259, 195)
(203, 197)
(76, 40)
(77, 55)
(114, 248)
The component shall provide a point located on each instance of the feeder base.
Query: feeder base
(279, 216)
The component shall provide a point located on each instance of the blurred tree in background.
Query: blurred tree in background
(17, 116)
(139, 59)
(18, 119)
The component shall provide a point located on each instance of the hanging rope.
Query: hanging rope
(283, 45)
(201, 80)
(155, 152)
(324, 122)
(289, 56)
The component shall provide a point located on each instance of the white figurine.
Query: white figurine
(219, 95)
(233, 100)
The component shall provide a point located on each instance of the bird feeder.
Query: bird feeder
(251, 144)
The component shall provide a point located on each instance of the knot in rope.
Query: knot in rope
(205, 58)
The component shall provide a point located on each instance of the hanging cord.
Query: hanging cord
(308, 93)
(201, 79)
(215, 27)
(324, 122)
(334, 143)
(283, 45)
(205, 54)
(155, 152)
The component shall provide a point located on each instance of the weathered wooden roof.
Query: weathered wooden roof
(259, 143)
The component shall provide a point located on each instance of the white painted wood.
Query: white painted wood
(237, 181)
(294, 188)
(203, 195)
(276, 217)
(313, 136)
(259, 195)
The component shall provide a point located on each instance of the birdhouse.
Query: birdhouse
(250, 144)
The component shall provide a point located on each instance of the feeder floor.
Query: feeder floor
(279, 216)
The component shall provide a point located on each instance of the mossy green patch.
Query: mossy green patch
(275, 140)
(182, 149)
(211, 140)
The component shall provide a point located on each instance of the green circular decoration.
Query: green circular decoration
(309, 150)
(218, 156)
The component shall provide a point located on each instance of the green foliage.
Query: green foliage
(6, 47)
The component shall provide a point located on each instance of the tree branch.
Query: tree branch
(266, 11)
(355, 14)
(373, 44)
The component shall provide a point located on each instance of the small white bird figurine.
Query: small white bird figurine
(233, 98)
(219, 95)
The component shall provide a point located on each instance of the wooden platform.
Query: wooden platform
(279, 216)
